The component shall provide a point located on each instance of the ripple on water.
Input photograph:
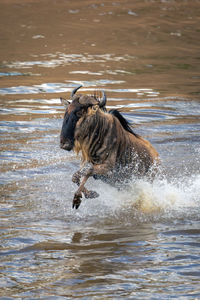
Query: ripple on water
(55, 87)
(5, 74)
(60, 59)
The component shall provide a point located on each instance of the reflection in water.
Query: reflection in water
(138, 243)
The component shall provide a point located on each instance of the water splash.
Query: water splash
(144, 201)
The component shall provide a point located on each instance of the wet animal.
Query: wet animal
(110, 150)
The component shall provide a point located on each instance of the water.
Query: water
(142, 243)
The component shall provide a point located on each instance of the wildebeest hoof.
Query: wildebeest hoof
(91, 194)
(76, 201)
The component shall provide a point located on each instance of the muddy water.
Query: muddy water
(141, 243)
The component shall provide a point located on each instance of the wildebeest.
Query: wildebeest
(110, 150)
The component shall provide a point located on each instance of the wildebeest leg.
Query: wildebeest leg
(76, 178)
(94, 170)
(78, 195)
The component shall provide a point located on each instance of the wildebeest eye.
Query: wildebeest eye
(79, 113)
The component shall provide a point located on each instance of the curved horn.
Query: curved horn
(102, 101)
(75, 90)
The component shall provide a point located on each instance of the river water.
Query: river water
(141, 243)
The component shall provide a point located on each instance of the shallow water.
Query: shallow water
(141, 243)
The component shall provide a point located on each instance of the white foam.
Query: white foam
(160, 198)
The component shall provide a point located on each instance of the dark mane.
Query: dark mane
(125, 124)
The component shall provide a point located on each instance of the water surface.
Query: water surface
(141, 243)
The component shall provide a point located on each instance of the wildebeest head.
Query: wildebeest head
(76, 109)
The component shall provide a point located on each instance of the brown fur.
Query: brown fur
(117, 147)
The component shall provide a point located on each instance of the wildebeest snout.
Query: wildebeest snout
(66, 145)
